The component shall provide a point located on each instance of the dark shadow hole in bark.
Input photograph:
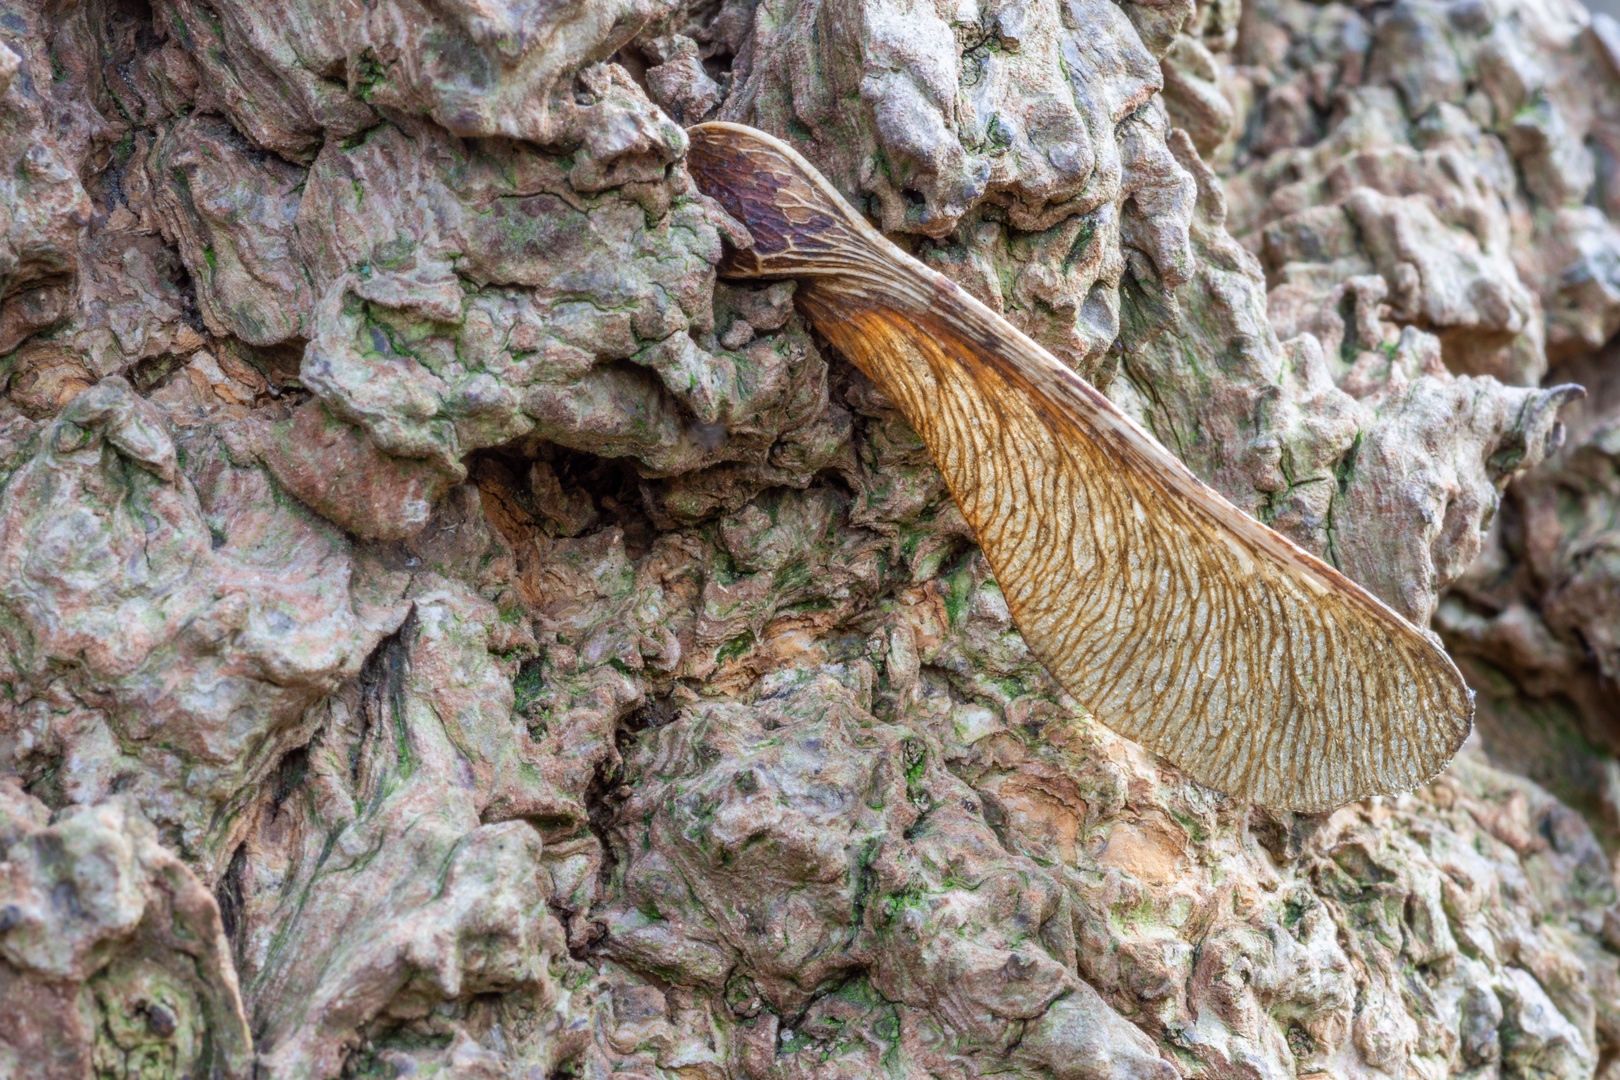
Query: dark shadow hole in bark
(228, 895)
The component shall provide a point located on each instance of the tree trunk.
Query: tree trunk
(449, 630)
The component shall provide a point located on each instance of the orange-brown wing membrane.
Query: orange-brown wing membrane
(1176, 619)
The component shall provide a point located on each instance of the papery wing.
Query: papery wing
(1174, 618)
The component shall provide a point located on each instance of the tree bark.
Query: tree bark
(448, 630)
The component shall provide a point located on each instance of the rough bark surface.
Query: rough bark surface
(449, 632)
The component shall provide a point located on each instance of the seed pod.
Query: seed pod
(1175, 618)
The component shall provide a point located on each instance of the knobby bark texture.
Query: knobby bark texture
(450, 632)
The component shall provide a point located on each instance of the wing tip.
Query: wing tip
(1436, 757)
(1323, 777)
